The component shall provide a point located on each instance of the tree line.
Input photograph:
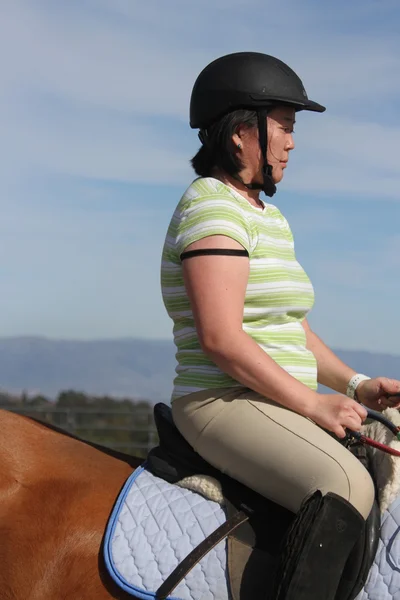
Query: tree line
(124, 424)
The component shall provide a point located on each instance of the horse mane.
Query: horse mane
(132, 461)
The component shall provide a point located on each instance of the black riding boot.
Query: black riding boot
(359, 562)
(316, 549)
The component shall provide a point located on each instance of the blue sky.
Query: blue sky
(95, 151)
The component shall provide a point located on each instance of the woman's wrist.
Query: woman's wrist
(353, 383)
(312, 401)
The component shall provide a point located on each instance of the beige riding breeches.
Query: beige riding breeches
(271, 449)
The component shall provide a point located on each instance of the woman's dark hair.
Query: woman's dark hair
(218, 149)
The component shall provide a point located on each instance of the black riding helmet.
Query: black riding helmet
(247, 80)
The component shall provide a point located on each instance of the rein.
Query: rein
(377, 416)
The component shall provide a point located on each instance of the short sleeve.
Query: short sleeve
(211, 216)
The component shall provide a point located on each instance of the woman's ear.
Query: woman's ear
(239, 135)
(237, 139)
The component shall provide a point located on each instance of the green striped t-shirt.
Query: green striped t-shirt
(279, 293)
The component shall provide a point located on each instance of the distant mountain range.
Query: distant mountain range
(129, 368)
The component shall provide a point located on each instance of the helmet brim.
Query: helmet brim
(314, 107)
(259, 100)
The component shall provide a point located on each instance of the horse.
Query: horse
(56, 496)
(56, 493)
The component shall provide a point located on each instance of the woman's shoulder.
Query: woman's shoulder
(208, 208)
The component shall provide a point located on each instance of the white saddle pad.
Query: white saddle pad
(153, 527)
(383, 582)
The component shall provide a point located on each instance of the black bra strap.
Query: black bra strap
(216, 251)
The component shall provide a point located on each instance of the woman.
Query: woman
(245, 396)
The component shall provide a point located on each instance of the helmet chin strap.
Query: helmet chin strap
(268, 186)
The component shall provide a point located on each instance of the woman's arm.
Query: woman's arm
(216, 286)
(332, 372)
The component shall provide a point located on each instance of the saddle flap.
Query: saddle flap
(250, 571)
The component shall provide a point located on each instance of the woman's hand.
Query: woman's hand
(336, 412)
(379, 393)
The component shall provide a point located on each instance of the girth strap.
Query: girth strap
(200, 551)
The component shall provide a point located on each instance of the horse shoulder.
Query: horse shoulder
(56, 494)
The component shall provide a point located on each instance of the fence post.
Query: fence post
(71, 420)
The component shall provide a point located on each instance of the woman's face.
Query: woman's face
(280, 141)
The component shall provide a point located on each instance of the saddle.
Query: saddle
(255, 526)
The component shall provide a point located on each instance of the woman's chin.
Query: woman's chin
(277, 176)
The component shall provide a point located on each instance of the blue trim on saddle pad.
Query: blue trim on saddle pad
(174, 520)
(111, 525)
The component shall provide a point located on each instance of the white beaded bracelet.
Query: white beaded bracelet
(353, 384)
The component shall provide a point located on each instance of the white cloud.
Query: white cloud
(140, 65)
(80, 60)
(83, 146)
(100, 90)
(364, 144)
(357, 293)
(343, 156)
(80, 271)
(84, 93)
